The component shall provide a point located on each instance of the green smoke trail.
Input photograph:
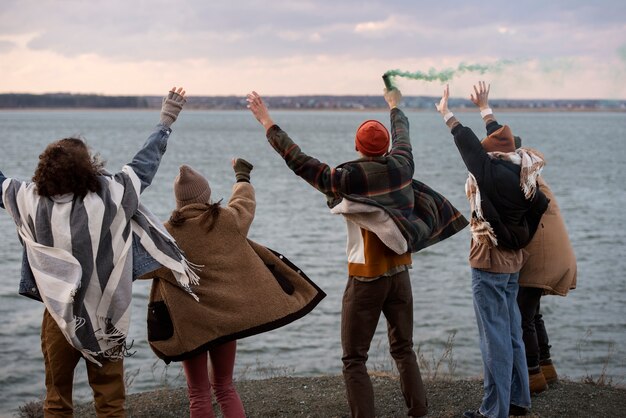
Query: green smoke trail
(621, 52)
(448, 74)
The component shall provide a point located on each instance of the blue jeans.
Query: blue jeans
(501, 345)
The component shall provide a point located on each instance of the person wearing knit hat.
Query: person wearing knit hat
(389, 215)
(190, 187)
(372, 139)
(500, 140)
(506, 206)
(244, 289)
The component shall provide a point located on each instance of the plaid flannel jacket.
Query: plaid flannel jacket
(423, 216)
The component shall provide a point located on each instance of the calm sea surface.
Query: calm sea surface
(585, 168)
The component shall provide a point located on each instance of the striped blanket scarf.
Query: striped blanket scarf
(531, 163)
(79, 251)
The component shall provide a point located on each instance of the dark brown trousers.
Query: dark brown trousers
(107, 382)
(362, 305)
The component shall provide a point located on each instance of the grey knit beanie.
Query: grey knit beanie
(190, 187)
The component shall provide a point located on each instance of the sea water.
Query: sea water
(585, 169)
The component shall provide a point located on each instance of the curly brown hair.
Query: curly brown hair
(66, 166)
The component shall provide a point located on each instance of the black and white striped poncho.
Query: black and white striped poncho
(79, 250)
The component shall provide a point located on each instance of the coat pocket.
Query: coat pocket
(160, 325)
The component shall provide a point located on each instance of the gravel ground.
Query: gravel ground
(324, 397)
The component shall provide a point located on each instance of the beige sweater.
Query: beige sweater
(244, 289)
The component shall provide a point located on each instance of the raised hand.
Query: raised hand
(442, 106)
(392, 97)
(259, 110)
(172, 105)
(482, 95)
(242, 169)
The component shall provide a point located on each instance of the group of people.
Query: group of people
(87, 237)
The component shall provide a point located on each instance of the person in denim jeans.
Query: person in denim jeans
(68, 174)
(506, 207)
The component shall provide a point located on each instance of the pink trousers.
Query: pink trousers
(199, 383)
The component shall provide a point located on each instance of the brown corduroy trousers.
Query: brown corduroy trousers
(107, 382)
(362, 305)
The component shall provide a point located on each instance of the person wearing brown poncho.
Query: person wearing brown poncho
(244, 289)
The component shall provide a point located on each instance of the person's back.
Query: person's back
(243, 289)
(506, 206)
(214, 238)
(389, 215)
(550, 269)
(76, 224)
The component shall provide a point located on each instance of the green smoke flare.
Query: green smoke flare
(448, 74)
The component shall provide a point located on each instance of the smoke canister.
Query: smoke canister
(387, 81)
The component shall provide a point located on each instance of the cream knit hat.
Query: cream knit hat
(190, 187)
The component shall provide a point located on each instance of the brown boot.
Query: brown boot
(548, 370)
(536, 380)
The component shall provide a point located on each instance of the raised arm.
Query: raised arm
(314, 172)
(468, 144)
(400, 139)
(242, 200)
(259, 110)
(442, 107)
(146, 162)
(480, 98)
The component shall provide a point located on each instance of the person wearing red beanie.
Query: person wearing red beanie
(372, 139)
(389, 215)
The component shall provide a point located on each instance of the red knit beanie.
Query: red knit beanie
(372, 138)
(501, 140)
(190, 187)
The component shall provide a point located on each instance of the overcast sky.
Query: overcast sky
(555, 48)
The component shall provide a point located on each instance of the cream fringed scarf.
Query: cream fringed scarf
(531, 162)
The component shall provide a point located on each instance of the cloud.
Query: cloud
(308, 37)
(188, 29)
(6, 46)
(374, 27)
(504, 30)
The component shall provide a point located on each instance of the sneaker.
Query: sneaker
(518, 411)
(536, 381)
(473, 414)
(548, 371)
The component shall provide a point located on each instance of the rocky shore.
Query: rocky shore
(324, 397)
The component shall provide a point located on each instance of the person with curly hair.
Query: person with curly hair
(84, 231)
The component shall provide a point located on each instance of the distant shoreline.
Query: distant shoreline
(64, 101)
(377, 109)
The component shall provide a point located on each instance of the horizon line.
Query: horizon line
(301, 95)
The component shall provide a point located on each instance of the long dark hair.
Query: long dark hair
(67, 166)
(209, 217)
